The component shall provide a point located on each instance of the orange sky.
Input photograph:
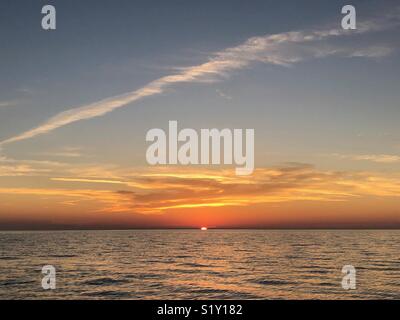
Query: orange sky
(294, 195)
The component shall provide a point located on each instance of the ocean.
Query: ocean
(194, 264)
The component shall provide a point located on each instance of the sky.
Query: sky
(76, 104)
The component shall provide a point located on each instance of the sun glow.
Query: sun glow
(203, 229)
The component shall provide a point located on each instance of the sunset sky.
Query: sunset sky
(76, 104)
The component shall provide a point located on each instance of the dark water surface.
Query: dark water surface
(194, 264)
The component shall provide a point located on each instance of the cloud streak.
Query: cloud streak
(10, 103)
(378, 158)
(159, 190)
(282, 49)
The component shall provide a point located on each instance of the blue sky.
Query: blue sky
(101, 49)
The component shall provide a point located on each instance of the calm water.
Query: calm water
(191, 264)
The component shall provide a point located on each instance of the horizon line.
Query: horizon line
(208, 228)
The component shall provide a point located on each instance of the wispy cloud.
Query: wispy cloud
(157, 190)
(282, 49)
(100, 181)
(65, 152)
(10, 103)
(378, 158)
(223, 94)
(10, 167)
(103, 197)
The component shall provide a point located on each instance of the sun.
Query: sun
(203, 228)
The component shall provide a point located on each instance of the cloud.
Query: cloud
(21, 170)
(104, 197)
(65, 152)
(223, 95)
(378, 158)
(10, 103)
(282, 49)
(12, 167)
(157, 190)
(101, 181)
(271, 185)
